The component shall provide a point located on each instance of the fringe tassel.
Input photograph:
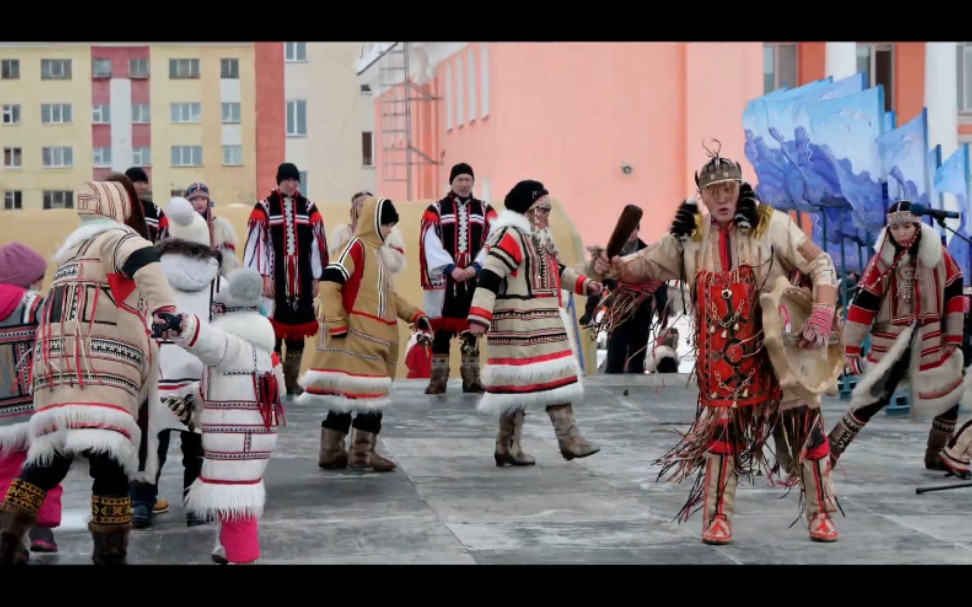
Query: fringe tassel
(741, 434)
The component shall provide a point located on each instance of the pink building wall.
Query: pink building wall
(572, 114)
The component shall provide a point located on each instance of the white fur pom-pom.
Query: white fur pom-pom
(180, 211)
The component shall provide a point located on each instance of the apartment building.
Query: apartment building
(72, 112)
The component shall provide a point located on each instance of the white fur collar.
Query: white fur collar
(929, 249)
(508, 218)
(88, 229)
(250, 326)
(190, 274)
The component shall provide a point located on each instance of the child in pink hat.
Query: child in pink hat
(21, 276)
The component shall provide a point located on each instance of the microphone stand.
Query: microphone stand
(941, 222)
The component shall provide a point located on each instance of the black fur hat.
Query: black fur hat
(523, 195)
(460, 169)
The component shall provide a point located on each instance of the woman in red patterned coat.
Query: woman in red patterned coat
(910, 300)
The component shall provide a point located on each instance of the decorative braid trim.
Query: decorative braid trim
(111, 510)
(26, 496)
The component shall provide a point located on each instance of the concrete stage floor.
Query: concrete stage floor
(448, 504)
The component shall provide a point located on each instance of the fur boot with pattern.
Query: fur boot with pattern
(363, 454)
(508, 450)
(571, 442)
(843, 433)
(291, 368)
(938, 437)
(334, 453)
(815, 477)
(440, 375)
(15, 522)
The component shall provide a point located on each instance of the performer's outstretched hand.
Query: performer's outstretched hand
(595, 288)
(476, 329)
(818, 328)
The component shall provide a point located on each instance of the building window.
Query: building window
(183, 68)
(179, 193)
(460, 95)
(471, 79)
(229, 68)
(965, 77)
(11, 114)
(101, 113)
(186, 155)
(365, 89)
(303, 183)
(55, 113)
(13, 158)
(13, 200)
(58, 199)
(297, 118)
(485, 189)
(484, 78)
(876, 61)
(138, 68)
(60, 157)
(186, 112)
(232, 155)
(295, 51)
(779, 67)
(55, 69)
(231, 112)
(10, 69)
(101, 68)
(367, 149)
(142, 157)
(141, 113)
(447, 97)
(102, 157)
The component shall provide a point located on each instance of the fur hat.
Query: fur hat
(244, 291)
(523, 195)
(20, 265)
(460, 169)
(287, 170)
(185, 223)
(137, 174)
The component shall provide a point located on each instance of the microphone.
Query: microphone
(920, 209)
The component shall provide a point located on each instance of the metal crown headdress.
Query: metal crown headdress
(717, 169)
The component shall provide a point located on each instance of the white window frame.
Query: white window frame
(965, 79)
(231, 112)
(56, 113)
(56, 69)
(187, 156)
(142, 157)
(471, 80)
(13, 69)
(101, 113)
(775, 47)
(16, 155)
(460, 94)
(303, 183)
(232, 155)
(50, 199)
(11, 114)
(102, 157)
(13, 200)
(295, 52)
(872, 64)
(101, 69)
(138, 69)
(185, 112)
(57, 157)
(484, 79)
(295, 109)
(183, 69)
(447, 97)
(141, 113)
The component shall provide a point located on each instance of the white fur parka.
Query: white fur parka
(235, 348)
